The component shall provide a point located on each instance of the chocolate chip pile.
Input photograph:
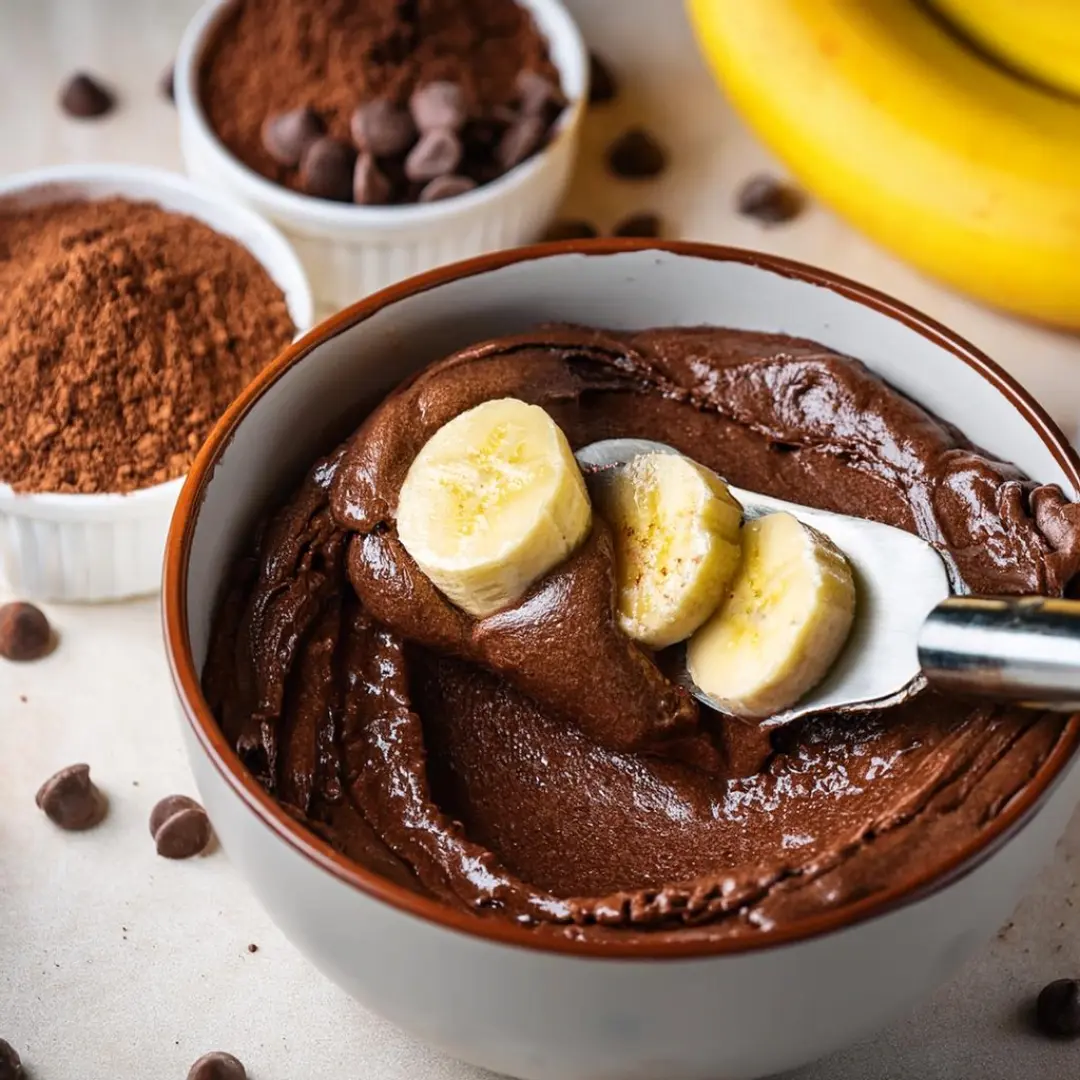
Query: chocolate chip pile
(125, 331)
(385, 102)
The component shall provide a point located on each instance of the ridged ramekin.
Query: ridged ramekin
(350, 251)
(107, 547)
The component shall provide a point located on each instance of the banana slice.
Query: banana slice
(492, 502)
(676, 532)
(787, 618)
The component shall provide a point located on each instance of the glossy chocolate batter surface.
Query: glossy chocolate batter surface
(536, 765)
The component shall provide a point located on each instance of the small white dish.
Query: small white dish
(64, 547)
(351, 251)
(483, 989)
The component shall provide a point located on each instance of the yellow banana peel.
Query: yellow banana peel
(1039, 37)
(968, 173)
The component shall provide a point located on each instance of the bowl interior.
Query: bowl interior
(316, 401)
(314, 395)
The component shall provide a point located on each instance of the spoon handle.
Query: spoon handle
(1021, 648)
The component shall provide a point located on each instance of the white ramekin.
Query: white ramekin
(494, 993)
(107, 547)
(350, 251)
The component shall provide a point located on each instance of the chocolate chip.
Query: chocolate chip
(84, 97)
(570, 229)
(167, 83)
(446, 187)
(285, 136)
(521, 140)
(326, 169)
(253, 947)
(436, 154)
(71, 800)
(643, 224)
(370, 184)
(1057, 1011)
(537, 93)
(382, 129)
(10, 1063)
(769, 200)
(180, 827)
(636, 155)
(25, 633)
(439, 106)
(217, 1066)
(602, 84)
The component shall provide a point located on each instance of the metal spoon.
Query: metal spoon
(909, 630)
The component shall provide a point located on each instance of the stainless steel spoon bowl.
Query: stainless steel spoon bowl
(909, 630)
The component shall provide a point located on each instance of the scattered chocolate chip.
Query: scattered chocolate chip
(326, 169)
(521, 140)
(636, 155)
(217, 1066)
(167, 83)
(382, 128)
(537, 93)
(439, 106)
(1057, 1011)
(602, 85)
(643, 224)
(84, 97)
(71, 800)
(769, 200)
(25, 633)
(285, 136)
(436, 154)
(570, 229)
(180, 827)
(10, 1062)
(371, 187)
(446, 187)
(253, 947)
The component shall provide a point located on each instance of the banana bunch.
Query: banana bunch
(963, 168)
(495, 499)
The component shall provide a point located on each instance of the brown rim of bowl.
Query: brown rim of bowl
(186, 678)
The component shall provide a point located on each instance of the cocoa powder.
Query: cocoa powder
(274, 56)
(125, 331)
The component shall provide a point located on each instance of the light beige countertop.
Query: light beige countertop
(115, 963)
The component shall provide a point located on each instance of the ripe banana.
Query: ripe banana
(784, 623)
(676, 532)
(1040, 37)
(492, 502)
(971, 174)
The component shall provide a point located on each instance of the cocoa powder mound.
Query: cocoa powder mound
(125, 331)
(272, 56)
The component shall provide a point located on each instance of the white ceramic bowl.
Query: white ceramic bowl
(350, 251)
(491, 993)
(107, 547)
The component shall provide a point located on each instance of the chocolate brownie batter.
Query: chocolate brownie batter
(535, 765)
